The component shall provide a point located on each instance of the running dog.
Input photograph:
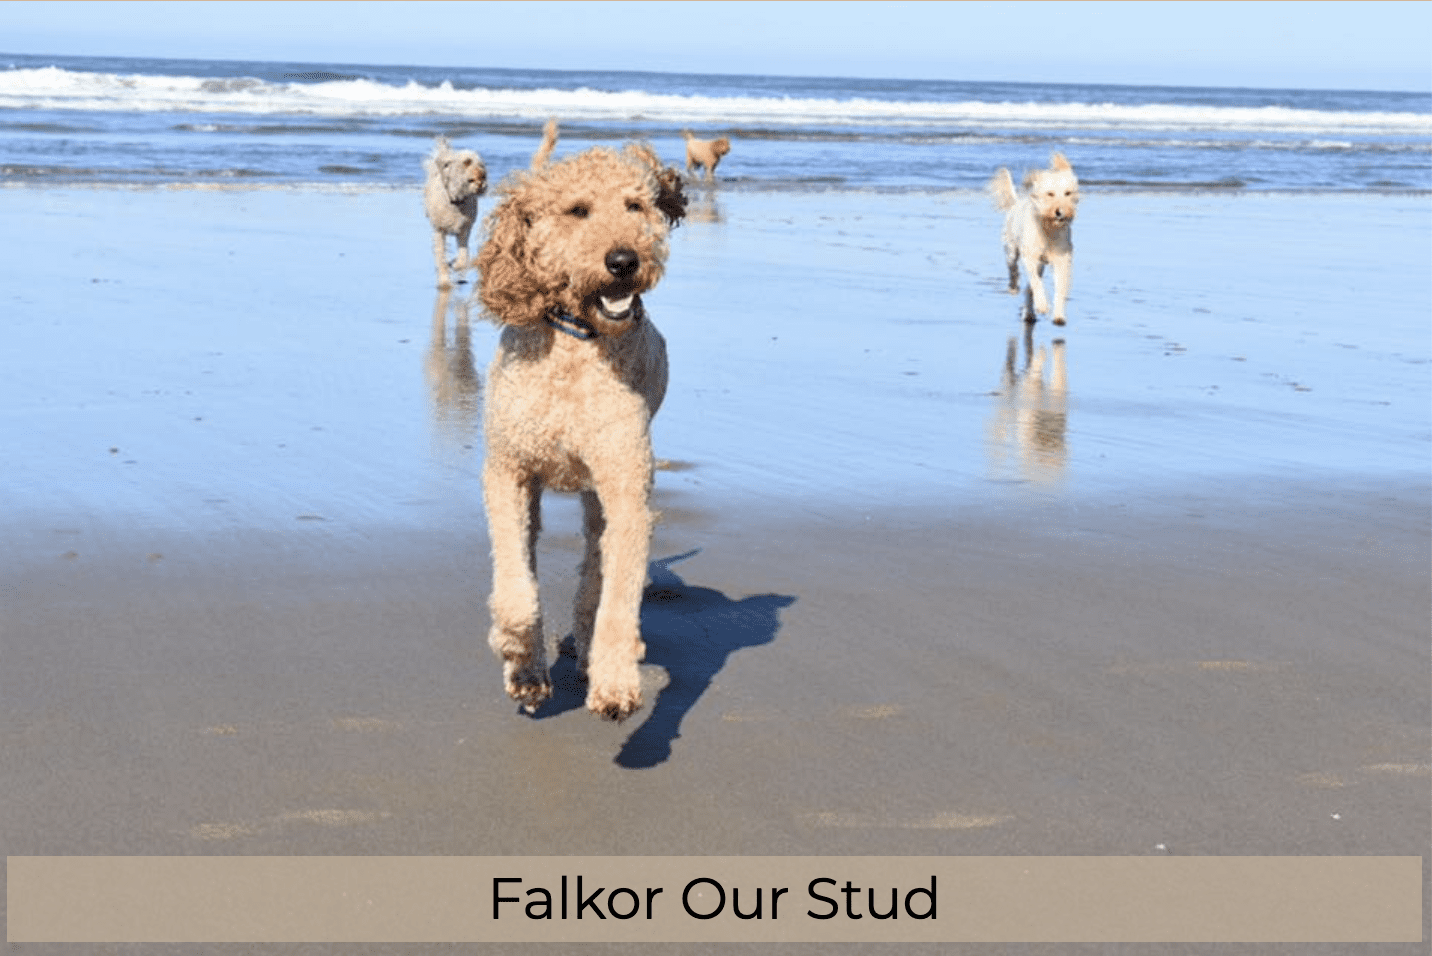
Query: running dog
(455, 178)
(580, 371)
(1037, 231)
(705, 153)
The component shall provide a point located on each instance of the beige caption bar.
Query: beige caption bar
(714, 899)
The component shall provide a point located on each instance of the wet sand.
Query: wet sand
(1154, 583)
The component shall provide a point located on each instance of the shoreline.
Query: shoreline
(736, 184)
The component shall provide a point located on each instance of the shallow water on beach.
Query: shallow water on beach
(897, 363)
(216, 360)
(245, 334)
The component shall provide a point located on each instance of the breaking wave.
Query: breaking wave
(56, 88)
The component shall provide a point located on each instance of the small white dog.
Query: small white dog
(456, 177)
(1037, 230)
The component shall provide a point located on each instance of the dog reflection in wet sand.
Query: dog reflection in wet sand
(1037, 232)
(454, 384)
(703, 207)
(579, 373)
(1032, 418)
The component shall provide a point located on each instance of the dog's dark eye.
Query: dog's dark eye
(634, 206)
(580, 210)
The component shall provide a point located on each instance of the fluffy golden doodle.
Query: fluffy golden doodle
(579, 373)
(1037, 231)
(705, 153)
(455, 178)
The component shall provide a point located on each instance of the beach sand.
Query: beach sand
(1155, 583)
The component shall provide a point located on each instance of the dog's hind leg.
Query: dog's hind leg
(514, 519)
(1011, 261)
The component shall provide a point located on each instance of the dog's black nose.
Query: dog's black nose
(621, 263)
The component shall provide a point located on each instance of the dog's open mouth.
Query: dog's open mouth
(617, 308)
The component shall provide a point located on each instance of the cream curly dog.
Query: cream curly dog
(455, 178)
(705, 153)
(579, 372)
(1037, 230)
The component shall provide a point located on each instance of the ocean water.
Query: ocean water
(85, 120)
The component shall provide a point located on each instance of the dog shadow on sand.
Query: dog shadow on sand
(690, 631)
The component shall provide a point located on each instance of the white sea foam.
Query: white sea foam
(53, 88)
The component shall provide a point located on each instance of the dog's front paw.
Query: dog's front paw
(528, 685)
(616, 701)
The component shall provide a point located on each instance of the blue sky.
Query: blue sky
(1350, 45)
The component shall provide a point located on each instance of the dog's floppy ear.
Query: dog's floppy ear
(1057, 161)
(507, 287)
(670, 198)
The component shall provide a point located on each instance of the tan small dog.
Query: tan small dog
(579, 373)
(1037, 231)
(705, 153)
(455, 178)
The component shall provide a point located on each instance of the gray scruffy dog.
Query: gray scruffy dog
(456, 177)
